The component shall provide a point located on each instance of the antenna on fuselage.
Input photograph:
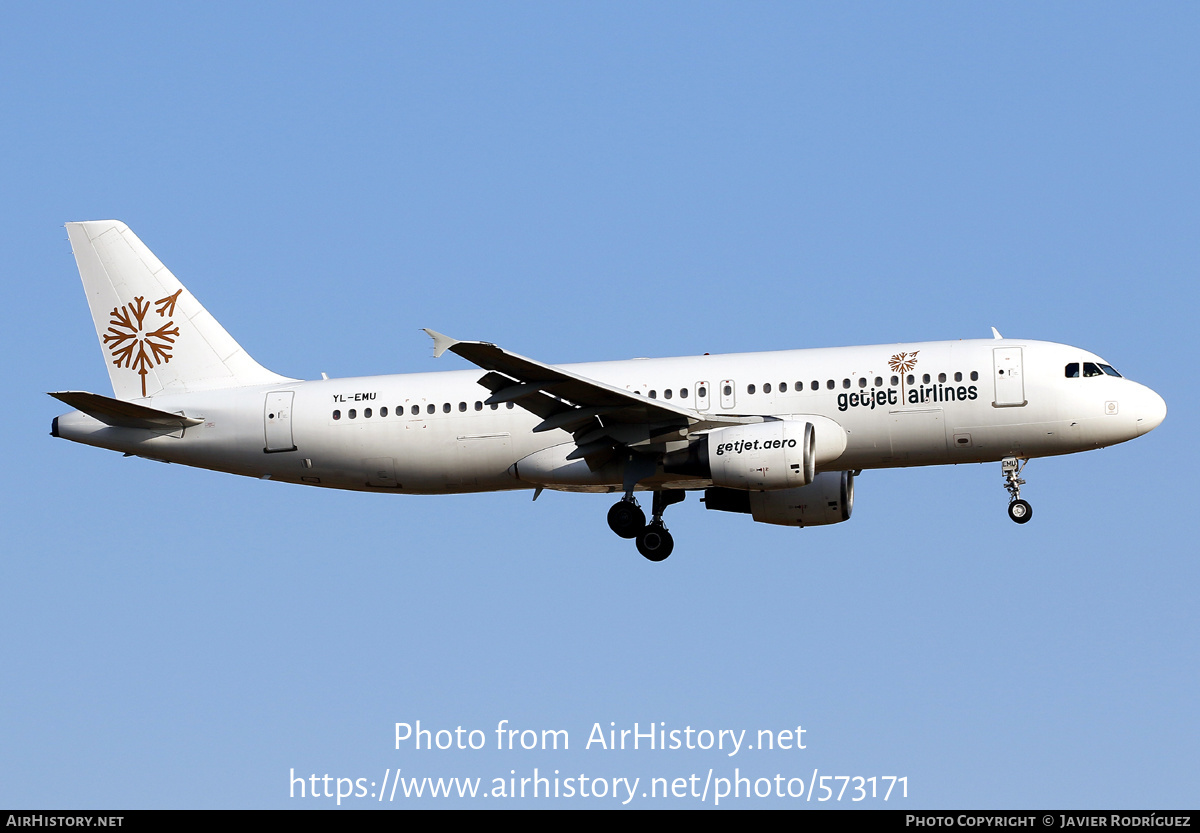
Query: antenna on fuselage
(996, 333)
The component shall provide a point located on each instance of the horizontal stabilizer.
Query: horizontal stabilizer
(121, 414)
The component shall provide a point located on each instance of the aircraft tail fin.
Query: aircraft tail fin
(155, 336)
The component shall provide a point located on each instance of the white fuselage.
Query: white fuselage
(954, 402)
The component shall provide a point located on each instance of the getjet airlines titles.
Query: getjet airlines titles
(779, 436)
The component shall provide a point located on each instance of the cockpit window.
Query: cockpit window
(1073, 370)
(1108, 369)
(1090, 369)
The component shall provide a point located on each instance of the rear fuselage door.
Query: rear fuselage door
(277, 417)
(1010, 379)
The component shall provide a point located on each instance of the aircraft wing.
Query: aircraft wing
(600, 416)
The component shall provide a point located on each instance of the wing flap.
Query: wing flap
(571, 417)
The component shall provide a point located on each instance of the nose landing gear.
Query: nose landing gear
(1019, 510)
(628, 520)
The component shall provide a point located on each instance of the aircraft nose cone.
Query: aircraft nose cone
(1151, 413)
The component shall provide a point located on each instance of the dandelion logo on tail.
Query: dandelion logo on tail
(132, 344)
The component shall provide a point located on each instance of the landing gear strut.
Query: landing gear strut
(628, 520)
(1019, 510)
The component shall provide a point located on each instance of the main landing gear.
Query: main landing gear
(628, 520)
(1019, 510)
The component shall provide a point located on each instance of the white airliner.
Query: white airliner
(779, 436)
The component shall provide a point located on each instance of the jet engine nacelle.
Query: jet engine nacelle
(829, 499)
(763, 456)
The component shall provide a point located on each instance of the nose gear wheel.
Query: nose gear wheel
(1020, 511)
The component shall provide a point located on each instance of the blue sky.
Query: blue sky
(603, 181)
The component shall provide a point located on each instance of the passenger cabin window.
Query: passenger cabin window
(383, 411)
(750, 388)
(845, 383)
(353, 413)
(925, 379)
(911, 378)
(1072, 370)
(337, 414)
(895, 381)
(878, 381)
(816, 385)
(958, 377)
(668, 393)
(654, 394)
(416, 409)
(974, 376)
(767, 387)
(829, 384)
(367, 413)
(862, 381)
(478, 405)
(783, 387)
(430, 408)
